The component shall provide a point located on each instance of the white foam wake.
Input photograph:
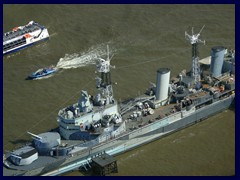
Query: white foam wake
(83, 59)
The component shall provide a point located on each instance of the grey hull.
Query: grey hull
(128, 141)
(145, 135)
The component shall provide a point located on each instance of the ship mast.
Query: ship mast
(104, 84)
(194, 40)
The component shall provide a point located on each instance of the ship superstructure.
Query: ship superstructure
(92, 115)
(98, 124)
(23, 36)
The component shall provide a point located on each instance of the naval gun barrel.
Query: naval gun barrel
(36, 137)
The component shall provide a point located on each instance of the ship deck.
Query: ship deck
(19, 32)
(137, 122)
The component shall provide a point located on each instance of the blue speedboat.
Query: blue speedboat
(42, 73)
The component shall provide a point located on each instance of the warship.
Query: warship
(99, 124)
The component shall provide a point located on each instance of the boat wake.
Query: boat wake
(77, 60)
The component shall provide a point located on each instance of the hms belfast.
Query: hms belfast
(99, 124)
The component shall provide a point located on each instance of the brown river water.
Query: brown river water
(142, 38)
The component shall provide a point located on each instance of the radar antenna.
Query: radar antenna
(103, 66)
(104, 83)
(194, 40)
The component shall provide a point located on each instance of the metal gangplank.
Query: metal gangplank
(84, 163)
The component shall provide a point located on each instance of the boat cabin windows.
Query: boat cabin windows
(14, 44)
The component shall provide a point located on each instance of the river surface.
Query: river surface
(142, 39)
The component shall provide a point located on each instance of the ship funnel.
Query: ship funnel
(217, 57)
(163, 77)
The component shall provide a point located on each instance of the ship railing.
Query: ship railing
(95, 145)
(225, 94)
(116, 138)
(12, 40)
(137, 129)
(19, 33)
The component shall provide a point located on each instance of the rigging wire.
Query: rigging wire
(144, 62)
(57, 108)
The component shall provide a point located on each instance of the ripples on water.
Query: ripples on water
(143, 38)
